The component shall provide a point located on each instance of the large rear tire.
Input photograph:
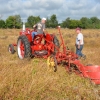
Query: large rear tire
(23, 47)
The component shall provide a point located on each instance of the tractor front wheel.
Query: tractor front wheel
(11, 49)
(23, 47)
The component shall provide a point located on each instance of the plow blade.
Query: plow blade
(93, 72)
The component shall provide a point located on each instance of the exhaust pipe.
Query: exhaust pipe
(23, 26)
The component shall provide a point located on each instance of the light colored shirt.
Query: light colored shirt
(79, 38)
(40, 27)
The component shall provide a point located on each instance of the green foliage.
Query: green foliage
(95, 22)
(48, 22)
(52, 22)
(84, 22)
(13, 21)
(18, 21)
(73, 24)
(66, 23)
(9, 22)
(2, 24)
(32, 20)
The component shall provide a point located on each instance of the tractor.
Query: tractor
(48, 46)
(43, 45)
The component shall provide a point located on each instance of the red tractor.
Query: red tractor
(47, 46)
(43, 45)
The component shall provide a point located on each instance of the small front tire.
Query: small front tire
(11, 49)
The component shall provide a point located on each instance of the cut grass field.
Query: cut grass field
(30, 80)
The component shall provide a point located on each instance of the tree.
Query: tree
(79, 23)
(13, 21)
(53, 21)
(9, 22)
(17, 21)
(95, 22)
(32, 20)
(2, 24)
(66, 23)
(48, 23)
(94, 19)
(84, 22)
(73, 24)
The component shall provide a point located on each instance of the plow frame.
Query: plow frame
(68, 57)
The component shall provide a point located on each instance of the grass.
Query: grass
(30, 80)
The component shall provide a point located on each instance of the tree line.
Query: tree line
(52, 22)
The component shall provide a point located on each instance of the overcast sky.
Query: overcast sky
(75, 9)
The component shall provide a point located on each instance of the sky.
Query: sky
(75, 9)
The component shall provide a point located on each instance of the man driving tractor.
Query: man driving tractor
(40, 27)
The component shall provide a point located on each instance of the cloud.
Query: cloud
(74, 9)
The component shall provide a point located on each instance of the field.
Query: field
(30, 80)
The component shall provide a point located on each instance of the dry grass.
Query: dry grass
(30, 80)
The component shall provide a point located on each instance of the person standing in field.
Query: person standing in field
(79, 43)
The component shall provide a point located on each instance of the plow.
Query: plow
(48, 46)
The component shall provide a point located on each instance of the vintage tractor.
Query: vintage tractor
(43, 45)
(47, 46)
(72, 63)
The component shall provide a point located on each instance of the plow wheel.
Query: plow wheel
(11, 49)
(23, 47)
(52, 63)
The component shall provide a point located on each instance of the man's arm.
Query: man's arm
(34, 26)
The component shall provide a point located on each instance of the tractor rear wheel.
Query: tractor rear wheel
(23, 47)
(56, 42)
(11, 49)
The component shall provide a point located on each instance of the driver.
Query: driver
(40, 27)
